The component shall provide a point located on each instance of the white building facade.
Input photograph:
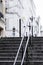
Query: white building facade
(15, 10)
(2, 20)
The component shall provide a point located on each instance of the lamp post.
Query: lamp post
(31, 18)
(19, 27)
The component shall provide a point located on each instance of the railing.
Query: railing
(25, 51)
(20, 48)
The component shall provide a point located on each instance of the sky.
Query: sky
(39, 9)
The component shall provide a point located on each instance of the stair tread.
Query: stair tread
(35, 60)
(9, 48)
(35, 53)
(11, 61)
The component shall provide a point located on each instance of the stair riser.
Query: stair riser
(9, 48)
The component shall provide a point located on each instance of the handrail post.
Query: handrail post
(22, 51)
(27, 55)
(19, 27)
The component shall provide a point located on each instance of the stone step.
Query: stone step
(12, 38)
(10, 42)
(11, 62)
(37, 47)
(8, 50)
(35, 53)
(37, 39)
(37, 43)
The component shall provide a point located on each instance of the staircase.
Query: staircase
(35, 51)
(8, 50)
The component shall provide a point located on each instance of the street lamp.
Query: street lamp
(31, 18)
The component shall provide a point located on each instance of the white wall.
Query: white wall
(2, 25)
(23, 11)
(1, 7)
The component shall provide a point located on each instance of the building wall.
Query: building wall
(2, 19)
(2, 25)
(3, 6)
(23, 10)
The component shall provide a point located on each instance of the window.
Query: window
(1, 1)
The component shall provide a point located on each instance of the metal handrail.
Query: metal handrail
(19, 46)
(25, 51)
